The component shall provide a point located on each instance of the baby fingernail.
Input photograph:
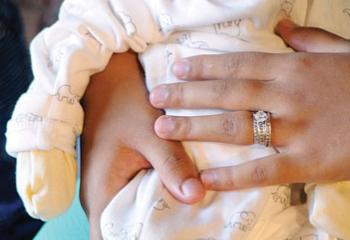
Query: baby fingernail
(192, 188)
(208, 178)
(159, 95)
(165, 125)
(288, 24)
(182, 68)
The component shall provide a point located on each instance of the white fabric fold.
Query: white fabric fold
(329, 207)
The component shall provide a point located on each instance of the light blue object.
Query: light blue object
(73, 225)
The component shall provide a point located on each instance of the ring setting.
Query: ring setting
(262, 128)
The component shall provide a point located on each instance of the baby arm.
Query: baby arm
(48, 117)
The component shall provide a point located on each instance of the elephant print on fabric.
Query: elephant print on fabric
(186, 40)
(28, 117)
(129, 232)
(229, 28)
(243, 221)
(161, 205)
(287, 7)
(282, 195)
(65, 94)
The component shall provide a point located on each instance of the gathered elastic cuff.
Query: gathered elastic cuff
(40, 135)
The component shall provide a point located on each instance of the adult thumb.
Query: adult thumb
(311, 39)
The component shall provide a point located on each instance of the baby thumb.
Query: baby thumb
(176, 170)
(311, 39)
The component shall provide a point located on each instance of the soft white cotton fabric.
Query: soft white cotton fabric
(49, 115)
(329, 207)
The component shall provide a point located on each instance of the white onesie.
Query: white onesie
(81, 43)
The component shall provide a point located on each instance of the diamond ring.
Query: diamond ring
(262, 128)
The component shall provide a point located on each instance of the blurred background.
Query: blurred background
(37, 14)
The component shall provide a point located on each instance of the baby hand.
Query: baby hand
(46, 182)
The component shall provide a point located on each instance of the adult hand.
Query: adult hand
(307, 93)
(118, 141)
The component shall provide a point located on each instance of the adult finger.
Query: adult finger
(310, 39)
(176, 170)
(229, 127)
(272, 170)
(251, 65)
(233, 94)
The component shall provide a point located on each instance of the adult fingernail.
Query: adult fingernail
(159, 95)
(182, 68)
(164, 126)
(192, 189)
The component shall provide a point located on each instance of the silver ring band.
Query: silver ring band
(262, 128)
